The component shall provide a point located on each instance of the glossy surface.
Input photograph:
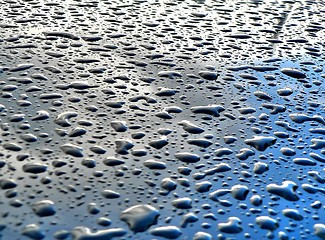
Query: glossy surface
(162, 120)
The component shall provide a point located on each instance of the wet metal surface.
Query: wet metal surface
(162, 120)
